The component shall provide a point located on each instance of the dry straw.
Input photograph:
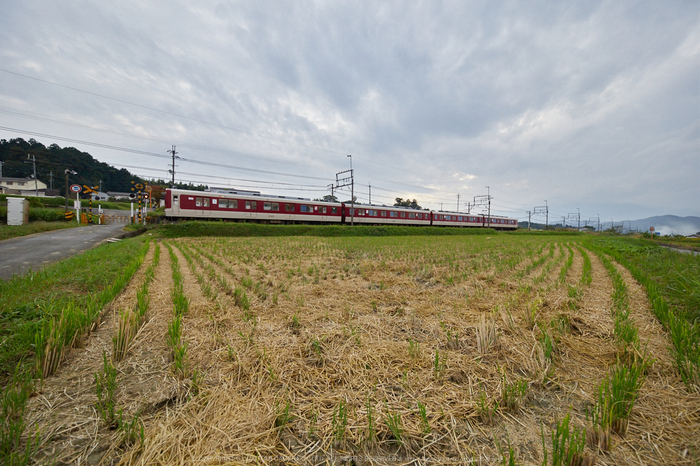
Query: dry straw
(343, 362)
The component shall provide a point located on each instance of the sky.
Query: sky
(589, 108)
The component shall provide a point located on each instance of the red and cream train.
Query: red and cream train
(252, 207)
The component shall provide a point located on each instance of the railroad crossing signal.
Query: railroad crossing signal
(89, 190)
(138, 187)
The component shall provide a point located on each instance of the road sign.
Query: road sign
(75, 188)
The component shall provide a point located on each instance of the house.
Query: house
(118, 195)
(99, 196)
(22, 186)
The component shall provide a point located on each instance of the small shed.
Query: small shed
(17, 211)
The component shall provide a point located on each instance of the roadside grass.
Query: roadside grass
(44, 314)
(7, 232)
(672, 283)
(28, 303)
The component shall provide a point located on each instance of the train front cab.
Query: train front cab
(172, 204)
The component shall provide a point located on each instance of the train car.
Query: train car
(457, 219)
(383, 215)
(232, 205)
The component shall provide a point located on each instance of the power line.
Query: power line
(226, 178)
(152, 154)
(168, 113)
(42, 117)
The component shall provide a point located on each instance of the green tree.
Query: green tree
(327, 198)
(413, 204)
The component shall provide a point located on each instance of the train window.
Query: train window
(175, 199)
(393, 214)
(233, 204)
(206, 202)
(383, 213)
(271, 206)
(316, 208)
(303, 208)
(289, 207)
(311, 208)
(334, 210)
(323, 209)
(411, 215)
(251, 205)
(213, 201)
(403, 214)
(223, 203)
(198, 202)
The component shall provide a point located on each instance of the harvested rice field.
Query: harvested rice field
(398, 350)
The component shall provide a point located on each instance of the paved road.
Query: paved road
(18, 255)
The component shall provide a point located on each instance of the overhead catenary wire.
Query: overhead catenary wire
(153, 154)
(166, 112)
(199, 147)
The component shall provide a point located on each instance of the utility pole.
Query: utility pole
(174, 153)
(542, 209)
(36, 182)
(370, 194)
(529, 217)
(0, 168)
(577, 216)
(484, 201)
(51, 180)
(348, 181)
(457, 202)
(489, 195)
(352, 193)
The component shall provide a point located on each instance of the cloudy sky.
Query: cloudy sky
(591, 106)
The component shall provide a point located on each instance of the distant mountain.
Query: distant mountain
(664, 224)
